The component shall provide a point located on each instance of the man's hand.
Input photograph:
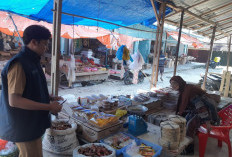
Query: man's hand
(55, 107)
(56, 98)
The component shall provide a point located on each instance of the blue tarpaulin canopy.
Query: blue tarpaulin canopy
(121, 12)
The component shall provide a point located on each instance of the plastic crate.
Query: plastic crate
(118, 151)
(157, 148)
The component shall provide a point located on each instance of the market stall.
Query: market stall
(83, 72)
(122, 125)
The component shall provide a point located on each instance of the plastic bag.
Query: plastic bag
(133, 150)
(137, 62)
(61, 141)
(9, 149)
(119, 53)
(71, 71)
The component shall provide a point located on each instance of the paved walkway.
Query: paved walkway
(192, 65)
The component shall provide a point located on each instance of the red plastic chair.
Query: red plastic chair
(219, 132)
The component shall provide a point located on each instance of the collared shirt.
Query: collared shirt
(16, 79)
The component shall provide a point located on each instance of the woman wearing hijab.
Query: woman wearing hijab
(195, 105)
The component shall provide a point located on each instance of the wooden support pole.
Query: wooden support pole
(209, 56)
(157, 46)
(228, 55)
(154, 57)
(56, 45)
(178, 43)
(163, 8)
(227, 85)
(155, 11)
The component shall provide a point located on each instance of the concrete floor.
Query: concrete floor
(212, 150)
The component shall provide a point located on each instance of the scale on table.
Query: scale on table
(137, 125)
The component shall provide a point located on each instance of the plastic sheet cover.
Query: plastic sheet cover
(121, 12)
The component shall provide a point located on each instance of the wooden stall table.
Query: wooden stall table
(92, 76)
(99, 75)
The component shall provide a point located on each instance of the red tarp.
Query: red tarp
(186, 39)
(7, 27)
(115, 40)
(67, 31)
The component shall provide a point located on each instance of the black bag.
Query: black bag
(206, 110)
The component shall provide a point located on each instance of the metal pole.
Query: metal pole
(209, 56)
(20, 38)
(56, 45)
(228, 55)
(178, 43)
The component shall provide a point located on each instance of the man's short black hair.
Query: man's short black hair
(36, 32)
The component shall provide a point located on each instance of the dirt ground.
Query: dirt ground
(190, 72)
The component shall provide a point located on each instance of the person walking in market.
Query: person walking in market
(25, 104)
(162, 62)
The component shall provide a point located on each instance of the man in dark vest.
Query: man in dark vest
(25, 104)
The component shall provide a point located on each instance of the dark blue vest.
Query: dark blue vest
(19, 125)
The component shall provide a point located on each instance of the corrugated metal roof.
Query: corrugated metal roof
(212, 11)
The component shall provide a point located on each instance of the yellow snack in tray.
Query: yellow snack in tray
(113, 119)
(146, 151)
(120, 113)
(104, 120)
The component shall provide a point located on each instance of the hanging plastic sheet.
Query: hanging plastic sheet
(137, 63)
(120, 12)
(67, 31)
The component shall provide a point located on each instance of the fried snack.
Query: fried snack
(60, 125)
(146, 151)
(95, 151)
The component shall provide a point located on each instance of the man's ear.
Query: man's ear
(34, 42)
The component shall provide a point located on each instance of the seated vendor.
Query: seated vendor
(195, 105)
(84, 59)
